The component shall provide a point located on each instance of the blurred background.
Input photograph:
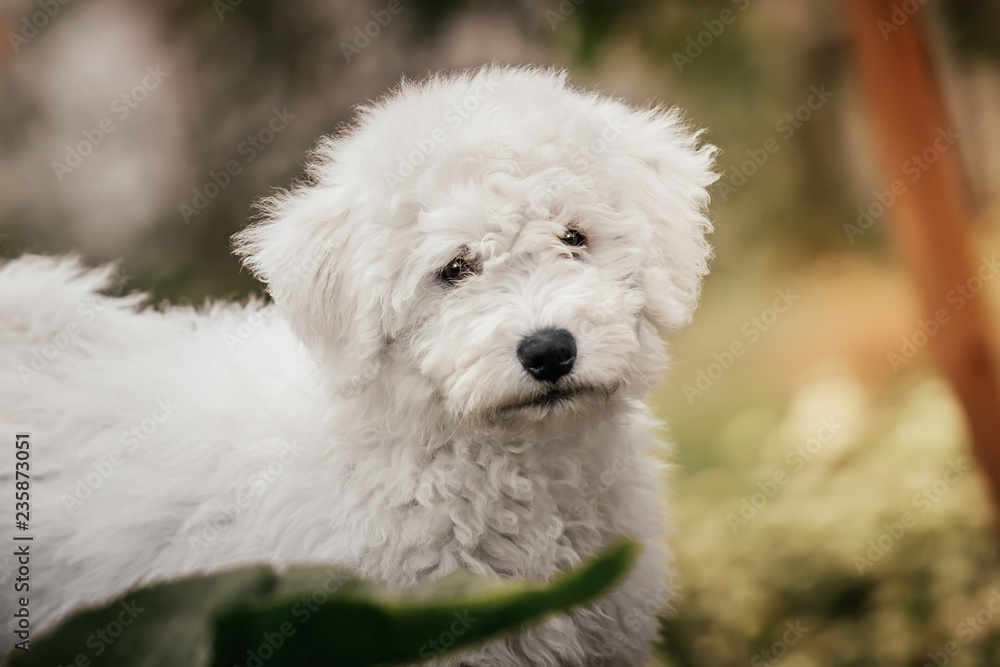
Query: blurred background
(830, 508)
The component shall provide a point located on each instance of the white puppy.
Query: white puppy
(469, 292)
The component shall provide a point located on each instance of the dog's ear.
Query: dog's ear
(670, 171)
(307, 248)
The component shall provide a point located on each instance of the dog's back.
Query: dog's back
(119, 399)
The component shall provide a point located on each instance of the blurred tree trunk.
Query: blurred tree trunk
(929, 218)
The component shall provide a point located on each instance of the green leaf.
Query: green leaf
(369, 625)
(313, 615)
(165, 624)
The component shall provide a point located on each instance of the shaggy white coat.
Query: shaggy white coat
(366, 417)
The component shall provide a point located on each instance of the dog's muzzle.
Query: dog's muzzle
(547, 355)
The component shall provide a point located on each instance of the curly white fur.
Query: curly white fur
(366, 417)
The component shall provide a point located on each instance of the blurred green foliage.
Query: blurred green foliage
(312, 616)
(863, 526)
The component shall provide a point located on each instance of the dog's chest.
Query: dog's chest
(483, 510)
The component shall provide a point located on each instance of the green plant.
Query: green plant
(313, 615)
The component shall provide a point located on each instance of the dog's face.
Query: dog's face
(496, 243)
(529, 302)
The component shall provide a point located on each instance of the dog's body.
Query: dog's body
(468, 294)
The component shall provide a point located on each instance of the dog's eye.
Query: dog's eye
(574, 238)
(456, 270)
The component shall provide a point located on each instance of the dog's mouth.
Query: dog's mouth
(559, 396)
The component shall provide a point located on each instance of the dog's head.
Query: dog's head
(496, 241)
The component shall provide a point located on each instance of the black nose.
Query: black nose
(547, 355)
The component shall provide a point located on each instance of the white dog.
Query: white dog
(469, 292)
